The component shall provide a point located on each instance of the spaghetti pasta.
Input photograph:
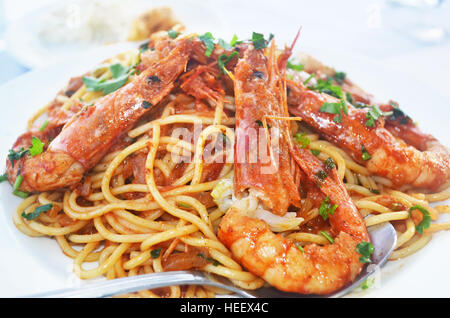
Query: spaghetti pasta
(146, 210)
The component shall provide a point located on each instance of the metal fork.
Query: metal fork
(383, 238)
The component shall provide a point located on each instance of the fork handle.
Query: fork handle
(132, 284)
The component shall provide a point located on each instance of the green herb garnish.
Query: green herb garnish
(365, 249)
(36, 146)
(301, 248)
(258, 41)
(184, 205)
(339, 77)
(329, 164)
(223, 60)
(296, 67)
(372, 115)
(326, 209)
(37, 211)
(173, 34)
(208, 40)
(120, 76)
(302, 139)
(155, 253)
(44, 125)
(209, 259)
(3, 177)
(426, 219)
(315, 152)
(327, 236)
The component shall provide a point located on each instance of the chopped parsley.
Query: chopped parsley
(208, 40)
(296, 67)
(258, 40)
(120, 76)
(3, 177)
(327, 87)
(426, 218)
(44, 125)
(321, 176)
(36, 146)
(368, 283)
(234, 41)
(224, 44)
(155, 253)
(327, 236)
(374, 191)
(365, 154)
(37, 211)
(326, 209)
(301, 248)
(339, 77)
(143, 47)
(209, 259)
(335, 108)
(16, 155)
(173, 34)
(16, 187)
(365, 249)
(302, 139)
(373, 114)
(223, 60)
(329, 164)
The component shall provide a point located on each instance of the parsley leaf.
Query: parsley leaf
(258, 41)
(224, 44)
(365, 249)
(16, 155)
(302, 139)
(315, 152)
(234, 41)
(16, 187)
(37, 211)
(44, 125)
(426, 219)
(155, 253)
(120, 76)
(326, 209)
(365, 154)
(296, 67)
(223, 60)
(36, 146)
(327, 87)
(208, 40)
(339, 77)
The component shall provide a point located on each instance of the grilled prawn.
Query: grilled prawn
(88, 135)
(382, 148)
(317, 269)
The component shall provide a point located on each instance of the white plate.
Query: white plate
(31, 265)
(24, 43)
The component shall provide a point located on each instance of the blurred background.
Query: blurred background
(412, 36)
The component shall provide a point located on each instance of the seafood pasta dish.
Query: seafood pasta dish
(240, 159)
